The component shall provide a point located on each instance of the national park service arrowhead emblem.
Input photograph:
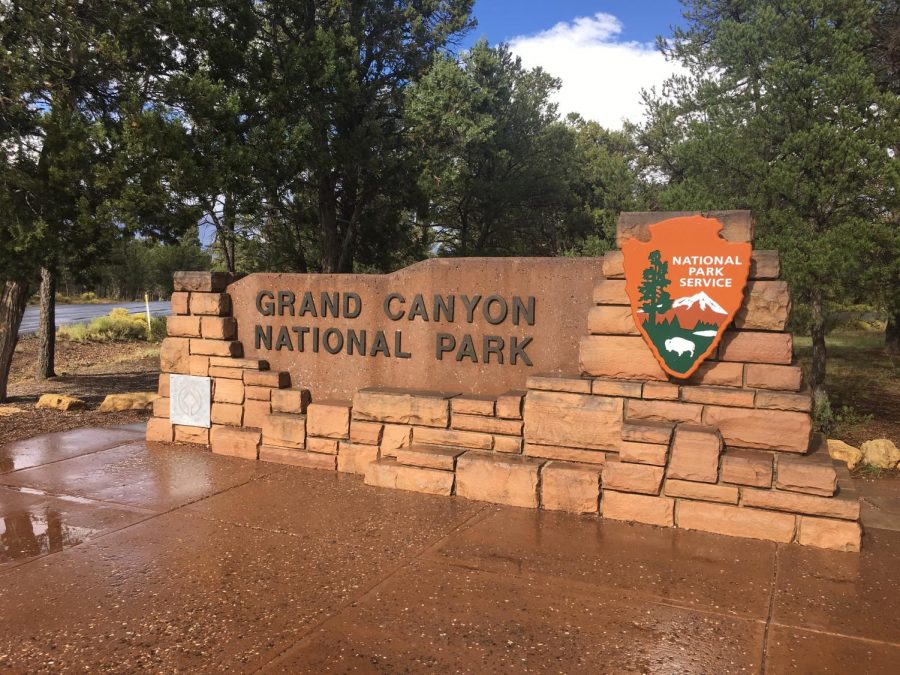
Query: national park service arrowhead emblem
(685, 285)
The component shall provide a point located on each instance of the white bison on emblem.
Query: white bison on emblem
(680, 346)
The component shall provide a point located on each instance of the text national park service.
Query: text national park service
(475, 309)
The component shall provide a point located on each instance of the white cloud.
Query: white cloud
(601, 77)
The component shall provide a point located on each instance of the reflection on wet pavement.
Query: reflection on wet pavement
(119, 556)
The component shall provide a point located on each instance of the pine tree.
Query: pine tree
(653, 291)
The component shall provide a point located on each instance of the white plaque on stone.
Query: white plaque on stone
(189, 400)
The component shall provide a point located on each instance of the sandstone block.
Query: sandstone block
(210, 304)
(161, 407)
(259, 393)
(695, 454)
(799, 474)
(430, 457)
(453, 438)
(160, 430)
(509, 405)
(183, 326)
(204, 282)
(647, 431)
(619, 356)
(174, 356)
(838, 450)
(180, 302)
(574, 385)
(501, 479)
(400, 406)
(605, 387)
(573, 420)
(185, 434)
(303, 458)
(216, 347)
(737, 226)
(218, 328)
(570, 487)
(225, 373)
(355, 457)
(838, 535)
(255, 413)
(761, 429)
(235, 442)
(747, 467)
(735, 521)
(764, 265)
(718, 373)
(565, 454)
(135, 400)
(756, 347)
(643, 453)
(387, 473)
(610, 292)
(626, 477)
(198, 365)
(489, 425)
(509, 444)
(780, 400)
(664, 411)
(326, 446)
(328, 419)
(284, 430)
(638, 508)
(843, 506)
(227, 413)
(471, 404)
(366, 432)
(880, 452)
(726, 494)
(277, 379)
(228, 391)
(393, 437)
(766, 306)
(766, 376)
(294, 401)
(660, 390)
(719, 396)
(234, 362)
(163, 388)
(611, 320)
(613, 265)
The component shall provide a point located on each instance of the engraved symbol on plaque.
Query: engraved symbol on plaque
(189, 400)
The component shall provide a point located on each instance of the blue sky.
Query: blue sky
(502, 20)
(603, 51)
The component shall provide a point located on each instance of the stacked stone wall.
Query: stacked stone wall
(730, 450)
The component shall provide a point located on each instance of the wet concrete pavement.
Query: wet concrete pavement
(116, 557)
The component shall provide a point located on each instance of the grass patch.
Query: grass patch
(863, 383)
(117, 326)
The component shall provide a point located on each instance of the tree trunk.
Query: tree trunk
(229, 233)
(892, 330)
(47, 335)
(331, 241)
(13, 297)
(817, 332)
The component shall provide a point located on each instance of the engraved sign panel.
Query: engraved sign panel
(189, 400)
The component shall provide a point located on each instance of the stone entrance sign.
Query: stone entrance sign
(467, 325)
(528, 382)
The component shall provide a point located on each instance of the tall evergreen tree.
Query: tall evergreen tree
(780, 111)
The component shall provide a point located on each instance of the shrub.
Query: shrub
(117, 326)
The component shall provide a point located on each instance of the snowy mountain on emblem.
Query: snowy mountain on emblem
(706, 303)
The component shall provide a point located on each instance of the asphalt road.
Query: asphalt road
(66, 314)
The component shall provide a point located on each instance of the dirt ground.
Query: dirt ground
(87, 370)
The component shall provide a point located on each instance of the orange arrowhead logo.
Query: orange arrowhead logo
(685, 285)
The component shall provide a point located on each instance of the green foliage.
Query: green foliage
(117, 326)
(654, 295)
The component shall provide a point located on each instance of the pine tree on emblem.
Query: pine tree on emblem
(654, 295)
